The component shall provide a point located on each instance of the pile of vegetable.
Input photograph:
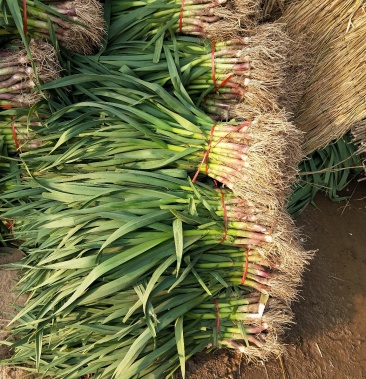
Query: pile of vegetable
(223, 78)
(21, 71)
(78, 25)
(217, 20)
(151, 203)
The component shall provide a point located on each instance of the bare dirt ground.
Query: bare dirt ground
(328, 340)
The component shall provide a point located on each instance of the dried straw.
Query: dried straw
(334, 100)
(272, 6)
(359, 132)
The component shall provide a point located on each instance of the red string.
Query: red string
(205, 160)
(210, 146)
(181, 17)
(239, 127)
(6, 106)
(25, 17)
(224, 82)
(207, 153)
(213, 71)
(213, 74)
(225, 215)
(218, 319)
(245, 273)
(14, 132)
(205, 156)
(10, 225)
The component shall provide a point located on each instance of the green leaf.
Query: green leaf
(154, 278)
(18, 19)
(109, 265)
(179, 338)
(135, 224)
(38, 338)
(178, 239)
(219, 278)
(243, 333)
(158, 48)
(200, 281)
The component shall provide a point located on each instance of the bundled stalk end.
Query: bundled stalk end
(221, 20)
(264, 341)
(86, 26)
(233, 17)
(45, 59)
(258, 77)
(22, 74)
(273, 155)
(77, 24)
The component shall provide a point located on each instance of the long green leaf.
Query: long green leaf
(179, 338)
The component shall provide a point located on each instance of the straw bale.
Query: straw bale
(272, 6)
(334, 98)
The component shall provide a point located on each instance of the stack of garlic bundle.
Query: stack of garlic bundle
(155, 230)
(78, 25)
(22, 74)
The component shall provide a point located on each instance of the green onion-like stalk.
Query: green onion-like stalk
(135, 259)
(253, 155)
(77, 24)
(111, 251)
(21, 74)
(206, 18)
(16, 135)
(219, 76)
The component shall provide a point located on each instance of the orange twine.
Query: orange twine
(14, 132)
(225, 214)
(181, 17)
(8, 223)
(213, 71)
(245, 273)
(210, 147)
(218, 319)
(205, 156)
(205, 160)
(224, 81)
